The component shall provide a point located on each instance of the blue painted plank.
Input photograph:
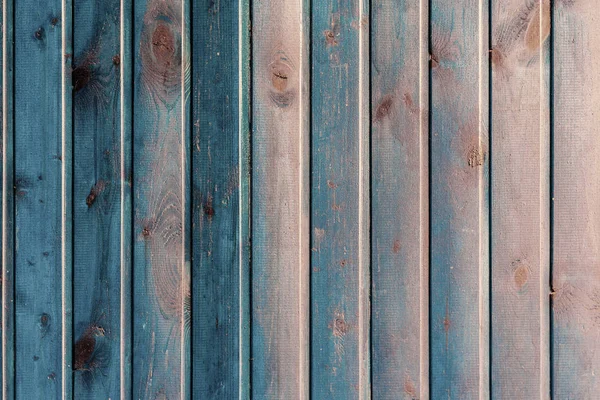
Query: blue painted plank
(280, 213)
(520, 190)
(459, 314)
(220, 200)
(340, 200)
(101, 190)
(161, 200)
(400, 202)
(43, 157)
(7, 280)
(576, 195)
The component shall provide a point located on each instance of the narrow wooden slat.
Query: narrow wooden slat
(161, 205)
(520, 199)
(220, 200)
(98, 214)
(340, 200)
(576, 185)
(7, 356)
(43, 187)
(280, 213)
(459, 200)
(400, 211)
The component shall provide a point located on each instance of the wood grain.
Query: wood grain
(101, 217)
(459, 200)
(43, 186)
(220, 101)
(400, 209)
(576, 194)
(340, 200)
(280, 222)
(7, 240)
(161, 203)
(520, 199)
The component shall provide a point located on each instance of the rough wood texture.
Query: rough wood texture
(7, 276)
(340, 200)
(576, 220)
(459, 200)
(220, 200)
(521, 203)
(43, 166)
(161, 204)
(280, 222)
(400, 210)
(101, 213)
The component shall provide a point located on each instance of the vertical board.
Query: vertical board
(520, 186)
(7, 276)
(280, 223)
(220, 199)
(43, 171)
(400, 202)
(340, 267)
(101, 211)
(161, 293)
(576, 193)
(459, 192)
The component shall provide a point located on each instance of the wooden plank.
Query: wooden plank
(7, 242)
(220, 200)
(521, 199)
(576, 194)
(161, 203)
(98, 210)
(280, 223)
(400, 210)
(459, 200)
(340, 200)
(43, 157)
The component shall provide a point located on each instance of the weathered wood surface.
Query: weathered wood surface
(400, 211)
(161, 180)
(7, 240)
(459, 200)
(340, 267)
(42, 190)
(520, 187)
(101, 207)
(138, 263)
(280, 223)
(220, 101)
(576, 201)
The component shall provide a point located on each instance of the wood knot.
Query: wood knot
(384, 108)
(39, 33)
(163, 44)
(521, 274)
(282, 79)
(54, 21)
(116, 60)
(330, 37)
(80, 77)
(209, 210)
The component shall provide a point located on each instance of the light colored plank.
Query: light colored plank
(161, 204)
(43, 158)
(400, 208)
(459, 200)
(340, 311)
(521, 202)
(7, 280)
(102, 218)
(281, 159)
(576, 194)
(220, 200)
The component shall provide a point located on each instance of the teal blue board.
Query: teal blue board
(220, 185)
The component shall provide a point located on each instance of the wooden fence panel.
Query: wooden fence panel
(220, 212)
(520, 216)
(161, 211)
(101, 201)
(459, 200)
(576, 194)
(280, 209)
(400, 199)
(43, 195)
